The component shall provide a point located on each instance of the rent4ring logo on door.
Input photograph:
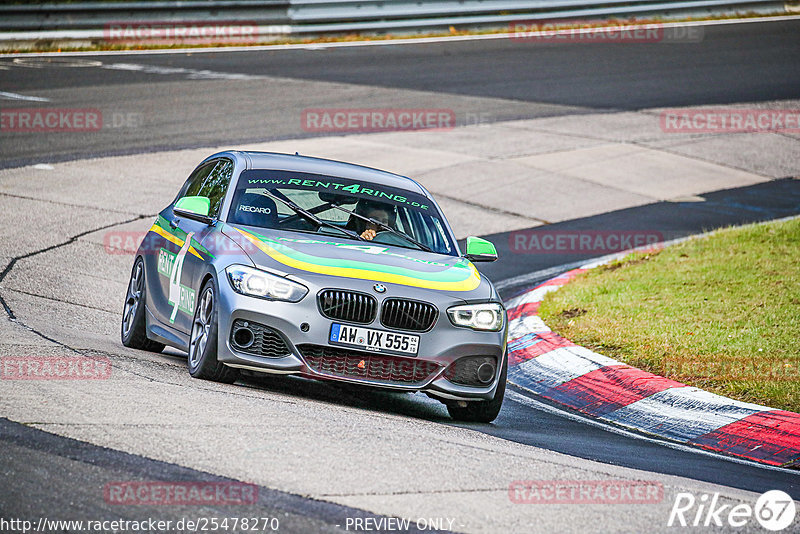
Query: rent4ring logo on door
(166, 260)
(171, 265)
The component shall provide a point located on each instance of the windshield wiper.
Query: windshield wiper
(386, 227)
(310, 216)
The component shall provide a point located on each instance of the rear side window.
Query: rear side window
(211, 181)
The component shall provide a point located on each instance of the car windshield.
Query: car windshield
(346, 208)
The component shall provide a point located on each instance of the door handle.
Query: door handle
(174, 223)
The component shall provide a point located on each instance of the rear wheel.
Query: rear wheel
(134, 329)
(482, 411)
(203, 341)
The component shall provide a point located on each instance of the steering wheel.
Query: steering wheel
(388, 238)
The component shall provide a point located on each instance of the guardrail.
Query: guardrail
(94, 15)
(282, 18)
(321, 16)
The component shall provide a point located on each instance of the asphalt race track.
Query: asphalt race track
(490, 80)
(322, 454)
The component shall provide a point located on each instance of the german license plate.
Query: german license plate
(373, 340)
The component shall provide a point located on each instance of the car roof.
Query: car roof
(327, 167)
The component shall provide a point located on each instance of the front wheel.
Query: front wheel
(482, 411)
(203, 341)
(134, 329)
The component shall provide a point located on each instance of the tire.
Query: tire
(133, 330)
(482, 411)
(202, 359)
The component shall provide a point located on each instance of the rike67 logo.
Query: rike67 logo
(774, 510)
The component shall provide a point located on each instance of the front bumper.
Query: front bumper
(443, 344)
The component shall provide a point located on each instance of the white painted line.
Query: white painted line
(36, 62)
(14, 96)
(531, 297)
(384, 42)
(543, 275)
(192, 74)
(541, 406)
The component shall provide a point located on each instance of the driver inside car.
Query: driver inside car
(382, 212)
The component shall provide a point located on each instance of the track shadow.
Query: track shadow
(521, 254)
(415, 405)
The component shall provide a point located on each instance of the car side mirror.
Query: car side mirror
(196, 208)
(480, 250)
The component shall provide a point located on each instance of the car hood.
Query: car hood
(302, 254)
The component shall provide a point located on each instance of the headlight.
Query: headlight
(258, 283)
(478, 316)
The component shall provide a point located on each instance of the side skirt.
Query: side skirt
(164, 334)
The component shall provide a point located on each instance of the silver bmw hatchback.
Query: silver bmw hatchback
(289, 264)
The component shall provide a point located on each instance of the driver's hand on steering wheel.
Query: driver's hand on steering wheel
(368, 234)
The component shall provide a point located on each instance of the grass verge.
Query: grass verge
(721, 312)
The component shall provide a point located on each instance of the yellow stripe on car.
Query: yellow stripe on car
(172, 239)
(471, 282)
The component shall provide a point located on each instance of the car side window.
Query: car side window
(211, 181)
(216, 184)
